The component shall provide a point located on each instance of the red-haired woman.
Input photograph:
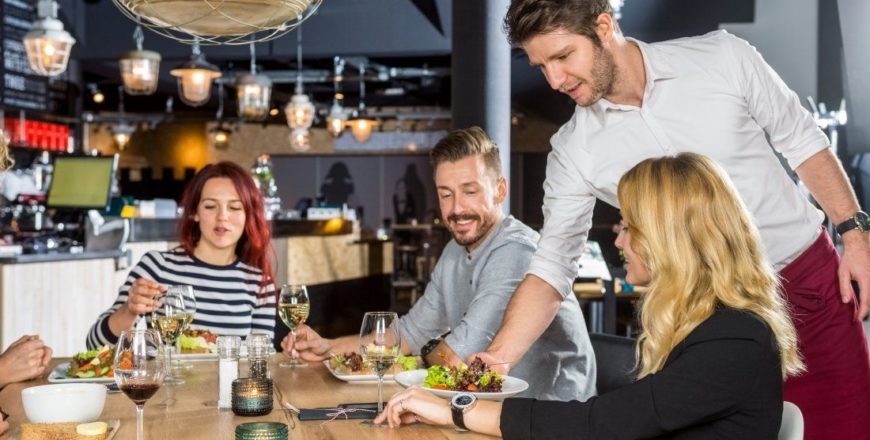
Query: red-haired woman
(224, 255)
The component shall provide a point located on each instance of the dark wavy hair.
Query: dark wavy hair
(254, 245)
(528, 18)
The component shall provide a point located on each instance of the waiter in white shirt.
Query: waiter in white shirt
(712, 95)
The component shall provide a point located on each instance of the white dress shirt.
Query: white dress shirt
(713, 95)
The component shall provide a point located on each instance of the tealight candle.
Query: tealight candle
(252, 396)
(262, 431)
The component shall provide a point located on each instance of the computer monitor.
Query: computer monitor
(82, 182)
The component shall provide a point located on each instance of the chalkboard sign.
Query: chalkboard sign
(21, 87)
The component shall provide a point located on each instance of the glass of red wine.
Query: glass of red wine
(140, 367)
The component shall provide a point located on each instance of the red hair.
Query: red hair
(253, 247)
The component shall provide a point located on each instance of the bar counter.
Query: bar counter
(190, 410)
(59, 296)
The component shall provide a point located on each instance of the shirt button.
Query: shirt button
(469, 281)
(469, 258)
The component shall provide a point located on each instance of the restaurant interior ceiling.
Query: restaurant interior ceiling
(412, 35)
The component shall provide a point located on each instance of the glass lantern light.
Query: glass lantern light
(140, 69)
(361, 127)
(48, 45)
(299, 111)
(195, 78)
(337, 117)
(121, 134)
(253, 92)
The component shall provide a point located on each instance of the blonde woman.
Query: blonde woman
(717, 339)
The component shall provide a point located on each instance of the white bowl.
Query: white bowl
(72, 402)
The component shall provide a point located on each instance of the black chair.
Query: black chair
(614, 359)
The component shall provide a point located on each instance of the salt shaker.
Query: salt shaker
(228, 368)
(259, 349)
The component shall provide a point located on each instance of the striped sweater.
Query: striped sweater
(226, 296)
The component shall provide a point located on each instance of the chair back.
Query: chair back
(792, 427)
(614, 361)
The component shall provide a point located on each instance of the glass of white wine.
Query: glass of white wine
(293, 308)
(171, 319)
(380, 345)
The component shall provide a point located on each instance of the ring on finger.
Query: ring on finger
(417, 419)
(402, 404)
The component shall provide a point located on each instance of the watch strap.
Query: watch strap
(458, 417)
(859, 220)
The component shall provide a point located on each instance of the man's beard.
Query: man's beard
(603, 76)
(484, 222)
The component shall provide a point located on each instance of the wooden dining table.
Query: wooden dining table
(189, 410)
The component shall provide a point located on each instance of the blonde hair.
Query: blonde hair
(695, 236)
(5, 160)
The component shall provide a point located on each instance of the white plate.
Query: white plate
(355, 377)
(58, 375)
(195, 356)
(510, 387)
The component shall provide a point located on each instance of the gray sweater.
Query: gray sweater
(468, 295)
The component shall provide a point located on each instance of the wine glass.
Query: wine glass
(293, 308)
(139, 369)
(380, 343)
(173, 317)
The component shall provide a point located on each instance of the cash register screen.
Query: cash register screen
(81, 182)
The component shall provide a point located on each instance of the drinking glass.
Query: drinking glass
(380, 343)
(140, 367)
(172, 318)
(293, 308)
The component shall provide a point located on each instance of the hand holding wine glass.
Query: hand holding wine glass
(172, 317)
(293, 308)
(139, 369)
(380, 345)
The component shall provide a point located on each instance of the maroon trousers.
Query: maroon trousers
(834, 393)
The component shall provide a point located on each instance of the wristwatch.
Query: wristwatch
(860, 220)
(459, 405)
(429, 348)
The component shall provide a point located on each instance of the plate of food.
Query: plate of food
(87, 366)
(475, 378)
(196, 345)
(350, 367)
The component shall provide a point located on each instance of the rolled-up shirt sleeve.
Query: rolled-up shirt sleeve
(791, 129)
(568, 205)
(427, 318)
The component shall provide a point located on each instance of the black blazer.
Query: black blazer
(722, 382)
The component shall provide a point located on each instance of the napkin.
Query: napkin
(336, 414)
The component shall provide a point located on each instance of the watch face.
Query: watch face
(463, 400)
(863, 220)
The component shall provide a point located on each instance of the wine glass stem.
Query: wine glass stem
(293, 358)
(380, 393)
(140, 422)
(169, 349)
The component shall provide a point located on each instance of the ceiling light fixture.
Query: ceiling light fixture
(220, 135)
(96, 95)
(140, 69)
(299, 111)
(195, 78)
(219, 22)
(253, 92)
(48, 45)
(337, 117)
(122, 131)
(361, 127)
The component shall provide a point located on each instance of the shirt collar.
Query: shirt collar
(655, 64)
(480, 250)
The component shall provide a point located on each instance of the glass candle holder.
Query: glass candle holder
(252, 396)
(262, 431)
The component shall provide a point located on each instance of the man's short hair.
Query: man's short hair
(528, 18)
(466, 142)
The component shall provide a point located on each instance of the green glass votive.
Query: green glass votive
(252, 396)
(262, 431)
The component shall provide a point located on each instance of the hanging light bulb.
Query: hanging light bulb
(253, 92)
(220, 135)
(337, 117)
(47, 44)
(361, 127)
(96, 95)
(195, 78)
(300, 139)
(140, 69)
(122, 131)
